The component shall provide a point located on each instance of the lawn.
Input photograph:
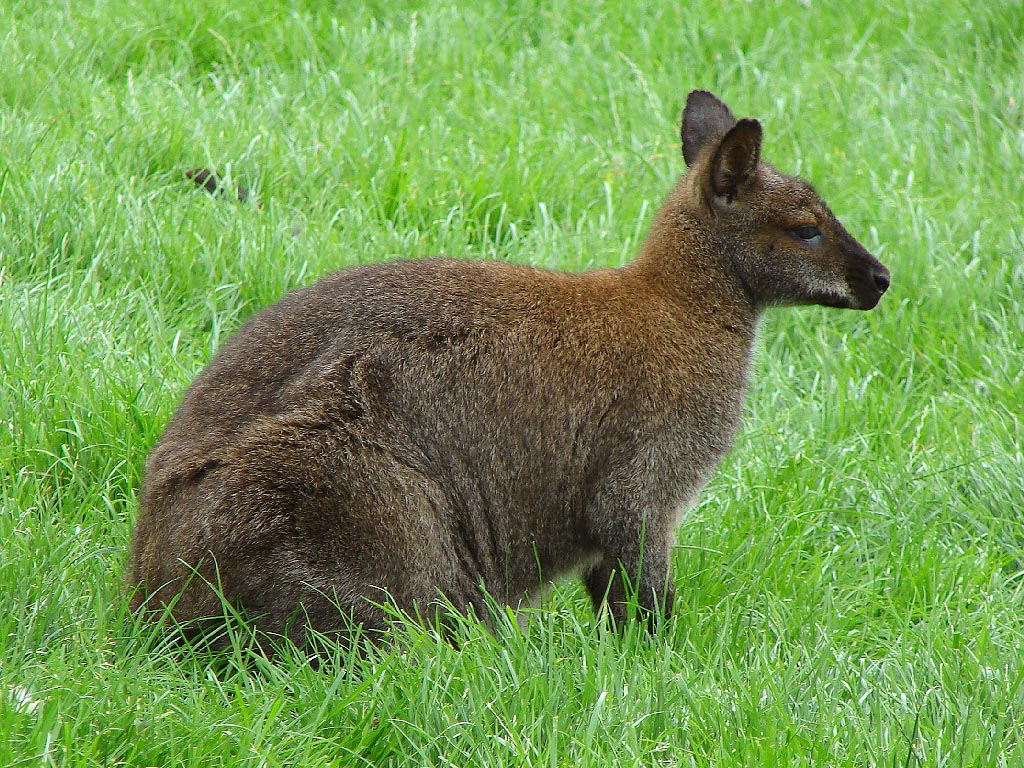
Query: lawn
(851, 584)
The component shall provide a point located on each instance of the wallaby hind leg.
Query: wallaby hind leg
(282, 605)
(307, 529)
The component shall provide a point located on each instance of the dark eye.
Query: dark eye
(807, 232)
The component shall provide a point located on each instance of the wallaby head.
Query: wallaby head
(785, 245)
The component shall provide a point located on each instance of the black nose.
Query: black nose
(882, 280)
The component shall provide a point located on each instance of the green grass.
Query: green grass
(850, 587)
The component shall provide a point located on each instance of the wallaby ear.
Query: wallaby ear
(705, 120)
(736, 158)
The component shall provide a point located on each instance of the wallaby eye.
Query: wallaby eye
(807, 232)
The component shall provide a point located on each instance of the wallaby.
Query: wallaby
(423, 431)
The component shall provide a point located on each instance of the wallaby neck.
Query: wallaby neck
(684, 261)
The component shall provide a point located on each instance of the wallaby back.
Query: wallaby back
(433, 429)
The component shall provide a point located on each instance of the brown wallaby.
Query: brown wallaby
(419, 430)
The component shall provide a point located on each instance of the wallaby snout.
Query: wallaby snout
(424, 430)
(864, 279)
(868, 279)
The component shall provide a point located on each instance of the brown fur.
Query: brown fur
(206, 179)
(438, 427)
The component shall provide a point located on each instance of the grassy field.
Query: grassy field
(851, 587)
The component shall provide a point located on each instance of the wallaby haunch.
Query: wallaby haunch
(419, 429)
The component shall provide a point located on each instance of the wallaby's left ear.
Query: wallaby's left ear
(735, 161)
(705, 119)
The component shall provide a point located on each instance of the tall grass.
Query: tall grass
(850, 585)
